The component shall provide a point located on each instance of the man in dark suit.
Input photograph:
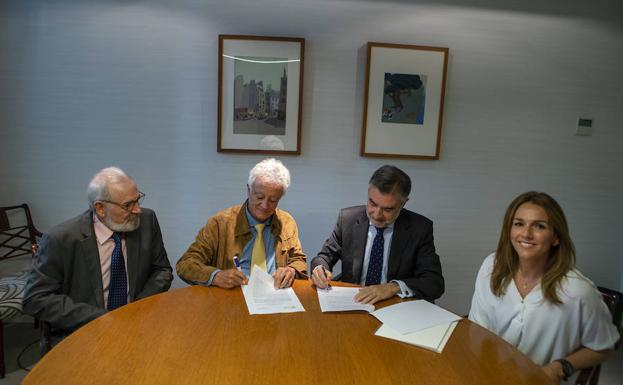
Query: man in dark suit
(382, 246)
(98, 261)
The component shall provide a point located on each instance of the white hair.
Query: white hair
(271, 170)
(98, 187)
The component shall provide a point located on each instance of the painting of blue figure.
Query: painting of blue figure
(404, 98)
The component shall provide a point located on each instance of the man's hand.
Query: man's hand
(321, 277)
(228, 279)
(376, 293)
(284, 276)
(554, 372)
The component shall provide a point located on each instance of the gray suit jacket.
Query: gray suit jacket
(412, 258)
(65, 286)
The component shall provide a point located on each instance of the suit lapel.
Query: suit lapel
(360, 236)
(399, 240)
(132, 243)
(91, 257)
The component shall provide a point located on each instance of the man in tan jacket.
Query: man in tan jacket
(228, 247)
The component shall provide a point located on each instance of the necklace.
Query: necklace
(525, 283)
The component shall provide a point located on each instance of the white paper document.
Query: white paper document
(411, 316)
(433, 338)
(340, 299)
(262, 297)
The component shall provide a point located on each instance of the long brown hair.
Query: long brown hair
(561, 258)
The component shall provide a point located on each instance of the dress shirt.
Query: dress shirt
(247, 251)
(269, 246)
(105, 246)
(227, 233)
(387, 238)
(412, 258)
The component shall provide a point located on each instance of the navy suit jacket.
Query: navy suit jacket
(412, 257)
(65, 286)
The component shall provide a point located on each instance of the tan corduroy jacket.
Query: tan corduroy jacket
(226, 234)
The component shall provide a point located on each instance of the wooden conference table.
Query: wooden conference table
(199, 335)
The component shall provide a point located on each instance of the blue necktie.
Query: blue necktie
(118, 289)
(375, 265)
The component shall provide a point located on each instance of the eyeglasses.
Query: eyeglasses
(128, 206)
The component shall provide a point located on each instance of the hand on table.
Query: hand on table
(284, 276)
(228, 279)
(376, 293)
(321, 277)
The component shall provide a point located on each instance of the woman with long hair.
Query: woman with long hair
(530, 293)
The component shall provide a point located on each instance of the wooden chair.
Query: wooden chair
(18, 238)
(612, 298)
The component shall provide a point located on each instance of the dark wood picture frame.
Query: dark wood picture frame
(391, 128)
(259, 116)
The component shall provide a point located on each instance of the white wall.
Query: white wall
(86, 84)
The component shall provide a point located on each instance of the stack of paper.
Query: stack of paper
(262, 297)
(418, 323)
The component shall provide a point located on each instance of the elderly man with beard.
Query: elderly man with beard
(102, 259)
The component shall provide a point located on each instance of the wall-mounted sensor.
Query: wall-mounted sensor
(585, 127)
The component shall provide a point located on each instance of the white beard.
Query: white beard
(130, 224)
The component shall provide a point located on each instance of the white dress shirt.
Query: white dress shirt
(387, 241)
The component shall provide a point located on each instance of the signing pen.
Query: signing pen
(324, 273)
(237, 262)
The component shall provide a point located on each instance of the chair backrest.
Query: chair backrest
(18, 234)
(612, 298)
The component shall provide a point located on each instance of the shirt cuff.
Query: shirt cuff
(318, 267)
(209, 281)
(405, 292)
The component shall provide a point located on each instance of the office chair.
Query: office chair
(18, 238)
(612, 298)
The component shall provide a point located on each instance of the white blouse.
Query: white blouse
(541, 330)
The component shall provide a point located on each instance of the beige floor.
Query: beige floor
(19, 335)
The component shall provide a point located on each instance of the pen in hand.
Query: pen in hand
(324, 275)
(237, 262)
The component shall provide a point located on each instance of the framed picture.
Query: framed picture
(260, 93)
(403, 105)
